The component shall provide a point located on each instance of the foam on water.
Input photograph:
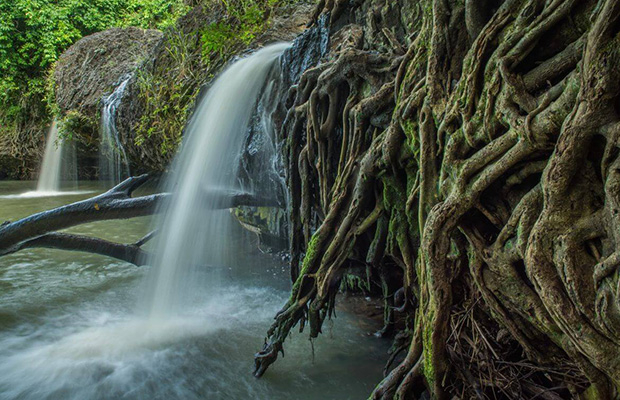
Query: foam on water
(102, 355)
(37, 193)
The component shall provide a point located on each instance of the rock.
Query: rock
(21, 153)
(95, 65)
(9, 166)
(88, 71)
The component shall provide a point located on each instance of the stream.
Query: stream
(69, 327)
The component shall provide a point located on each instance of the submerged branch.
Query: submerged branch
(131, 253)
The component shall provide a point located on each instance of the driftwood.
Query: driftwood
(40, 230)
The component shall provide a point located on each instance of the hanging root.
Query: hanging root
(480, 168)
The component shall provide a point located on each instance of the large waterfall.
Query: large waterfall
(113, 164)
(192, 235)
(50, 173)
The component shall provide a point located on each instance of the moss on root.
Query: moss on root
(490, 141)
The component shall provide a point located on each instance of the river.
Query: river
(69, 328)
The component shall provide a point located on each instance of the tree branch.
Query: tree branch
(116, 203)
(39, 230)
(131, 253)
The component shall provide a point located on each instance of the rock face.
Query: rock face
(161, 97)
(19, 155)
(263, 162)
(90, 70)
(94, 65)
(154, 110)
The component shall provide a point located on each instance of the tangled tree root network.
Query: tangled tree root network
(470, 165)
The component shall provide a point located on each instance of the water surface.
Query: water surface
(69, 327)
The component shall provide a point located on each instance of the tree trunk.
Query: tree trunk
(38, 230)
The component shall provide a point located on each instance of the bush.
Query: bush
(33, 34)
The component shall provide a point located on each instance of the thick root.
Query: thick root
(480, 167)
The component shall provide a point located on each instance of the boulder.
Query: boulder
(90, 70)
(95, 65)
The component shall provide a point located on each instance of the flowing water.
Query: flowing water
(51, 167)
(194, 236)
(113, 165)
(58, 165)
(68, 327)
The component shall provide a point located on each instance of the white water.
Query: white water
(68, 329)
(113, 166)
(193, 235)
(57, 160)
(49, 176)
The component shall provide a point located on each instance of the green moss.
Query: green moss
(592, 393)
(354, 283)
(366, 89)
(190, 59)
(411, 133)
(395, 203)
(312, 252)
(427, 340)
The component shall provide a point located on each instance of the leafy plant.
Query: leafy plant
(246, 18)
(33, 33)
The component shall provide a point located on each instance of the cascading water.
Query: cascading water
(51, 167)
(58, 166)
(263, 162)
(69, 331)
(193, 234)
(113, 165)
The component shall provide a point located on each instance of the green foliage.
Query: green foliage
(194, 51)
(153, 14)
(74, 123)
(33, 33)
(167, 94)
(246, 18)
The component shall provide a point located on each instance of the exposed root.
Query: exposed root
(490, 190)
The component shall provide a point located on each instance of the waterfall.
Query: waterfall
(113, 165)
(191, 234)
(51, 167)
(59, 165)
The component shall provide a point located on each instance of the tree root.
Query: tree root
(497, 176)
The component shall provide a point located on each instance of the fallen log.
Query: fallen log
(40, 230)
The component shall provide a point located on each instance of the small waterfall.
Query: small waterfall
(113, 165)
(263, 163)
(51, 167)
(192, 234)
